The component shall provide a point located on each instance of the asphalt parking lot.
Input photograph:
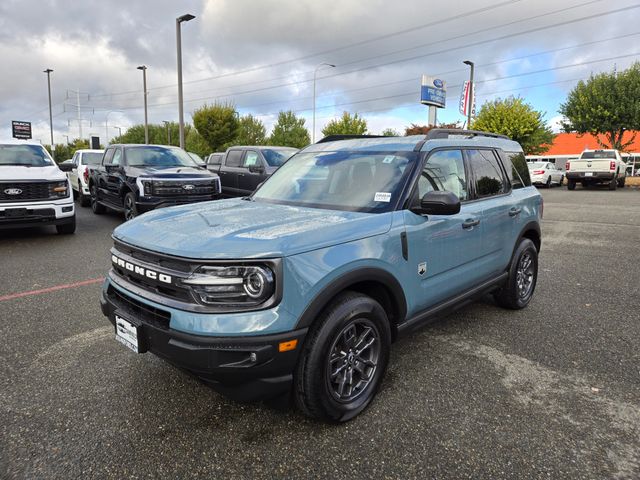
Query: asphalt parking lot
(552, 391)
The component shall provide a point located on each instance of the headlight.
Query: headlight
(232, 285)
(59, 189)
(145, 187)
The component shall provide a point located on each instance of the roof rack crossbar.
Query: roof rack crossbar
(446, 132)
(333, 138)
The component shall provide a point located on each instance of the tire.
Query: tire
(130, 209)
(331, 352)
(571, 184)
(96, 207)
(82, 198)
(561, 181)
(613, 184)
(621, 182)
(548, 184)
(67, 228)
(523, 275)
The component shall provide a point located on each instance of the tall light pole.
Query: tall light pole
(167, 124)
(313, 133)
(144, 92)
(470, 102)
(179, 20)
(67, 137)
(48, 72)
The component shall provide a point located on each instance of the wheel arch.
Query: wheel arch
(376, 283)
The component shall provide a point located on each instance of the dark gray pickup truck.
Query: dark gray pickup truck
(242, 169)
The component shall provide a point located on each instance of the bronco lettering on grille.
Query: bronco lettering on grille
(137, 269)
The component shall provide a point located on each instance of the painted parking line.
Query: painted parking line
(51, 289)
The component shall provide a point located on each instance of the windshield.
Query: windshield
(196, 158)
(537, 165)
(276, 157)
(92, 158)
(147, 156)
(599, 154)
(355, 181)
(24, 155)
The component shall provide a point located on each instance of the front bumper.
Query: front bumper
(245, 368)
(593, 176)
(146, 204)
(33, 214)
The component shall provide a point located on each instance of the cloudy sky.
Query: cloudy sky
(261, 56)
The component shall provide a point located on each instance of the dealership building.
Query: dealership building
(568, 146)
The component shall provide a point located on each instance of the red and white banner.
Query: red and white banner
(464, 100)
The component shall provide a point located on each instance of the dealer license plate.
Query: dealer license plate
(588, 174)
(127, 334)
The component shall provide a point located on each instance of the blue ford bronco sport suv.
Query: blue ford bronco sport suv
(302, 287)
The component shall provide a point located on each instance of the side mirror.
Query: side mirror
(257, 169)
(65, 167)
(438, 203)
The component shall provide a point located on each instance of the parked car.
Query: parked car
(597, 167)
(303, 286)
(244, 168)
(137, 178)
(545, 173)
(33, 190)
(77, 170)
(214, 160)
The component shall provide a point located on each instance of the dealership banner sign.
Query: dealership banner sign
(464, 100)
(21, 130)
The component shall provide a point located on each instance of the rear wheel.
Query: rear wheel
(82, 198)
(344, 359)
(523, 275)
(96, 207)
(571, 184)
(130, 209)
(67, 228)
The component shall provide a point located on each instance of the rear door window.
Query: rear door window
(488, 175)
(234, 158)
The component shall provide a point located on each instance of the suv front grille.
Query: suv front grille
(28, 191)
(148, 314)
(196, 187)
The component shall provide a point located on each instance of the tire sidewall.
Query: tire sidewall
(525, 246)
(359, 306)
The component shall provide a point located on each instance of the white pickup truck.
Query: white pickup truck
(78, 172)
(33, 190)
(597, 167)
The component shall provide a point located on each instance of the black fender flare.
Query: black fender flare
(343, 282)
(533, 225)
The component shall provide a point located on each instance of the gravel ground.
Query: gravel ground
(552, 391)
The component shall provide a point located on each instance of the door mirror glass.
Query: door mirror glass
(438, 203)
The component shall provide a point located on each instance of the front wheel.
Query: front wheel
(613, 184)
(621, 182)
(67, 228)
(548, 184)
(130, 208)
(344, 359)
(83, 199)
(523, 275)
(96, 207)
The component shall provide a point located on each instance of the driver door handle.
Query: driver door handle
(470, 223)
(514, 211)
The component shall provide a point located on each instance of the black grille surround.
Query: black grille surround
(174, 294)
(29, 191)
(154, 316)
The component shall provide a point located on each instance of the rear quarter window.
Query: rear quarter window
(518, 171)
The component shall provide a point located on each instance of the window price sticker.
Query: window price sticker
(382, 197)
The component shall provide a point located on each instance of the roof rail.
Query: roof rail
(445, 132)
(333, 138)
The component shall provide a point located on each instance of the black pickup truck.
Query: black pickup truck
(137, 178)
(242, 169)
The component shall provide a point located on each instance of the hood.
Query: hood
(243, 229)
(18, 173)
(170, 172)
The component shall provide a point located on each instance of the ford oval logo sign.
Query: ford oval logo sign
(438, 83)
(13, 191)
(188, 187)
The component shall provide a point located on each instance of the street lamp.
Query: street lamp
(67, 137)
(167, 124)
(313, 133)
(106, 125)
(179, 20)
(144, 92)
(470, 101)
(48, 72)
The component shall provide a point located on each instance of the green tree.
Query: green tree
(159, 134)
(289, 131)
(346, 125)
(218, 124)
(251, 131)
(194, 142)
(415, 129)
(390, 132)
(517, 120)
(606, 104)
